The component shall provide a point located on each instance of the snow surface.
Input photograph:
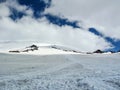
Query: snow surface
(61, 71)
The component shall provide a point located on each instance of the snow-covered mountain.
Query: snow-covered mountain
(43, 50)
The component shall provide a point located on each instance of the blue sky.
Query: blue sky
(115, 43)
(101, 32)
(38, 7)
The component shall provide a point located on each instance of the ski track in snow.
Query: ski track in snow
(60, 72)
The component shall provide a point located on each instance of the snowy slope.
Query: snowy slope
(60, 72)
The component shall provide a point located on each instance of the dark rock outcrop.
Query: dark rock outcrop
(15, 51)
(98, 51)
(27, 49)
(33, 47)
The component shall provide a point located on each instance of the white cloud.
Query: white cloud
(4, 10)
(28, 28)
(100, 13)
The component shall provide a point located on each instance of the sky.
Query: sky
(79, 24)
